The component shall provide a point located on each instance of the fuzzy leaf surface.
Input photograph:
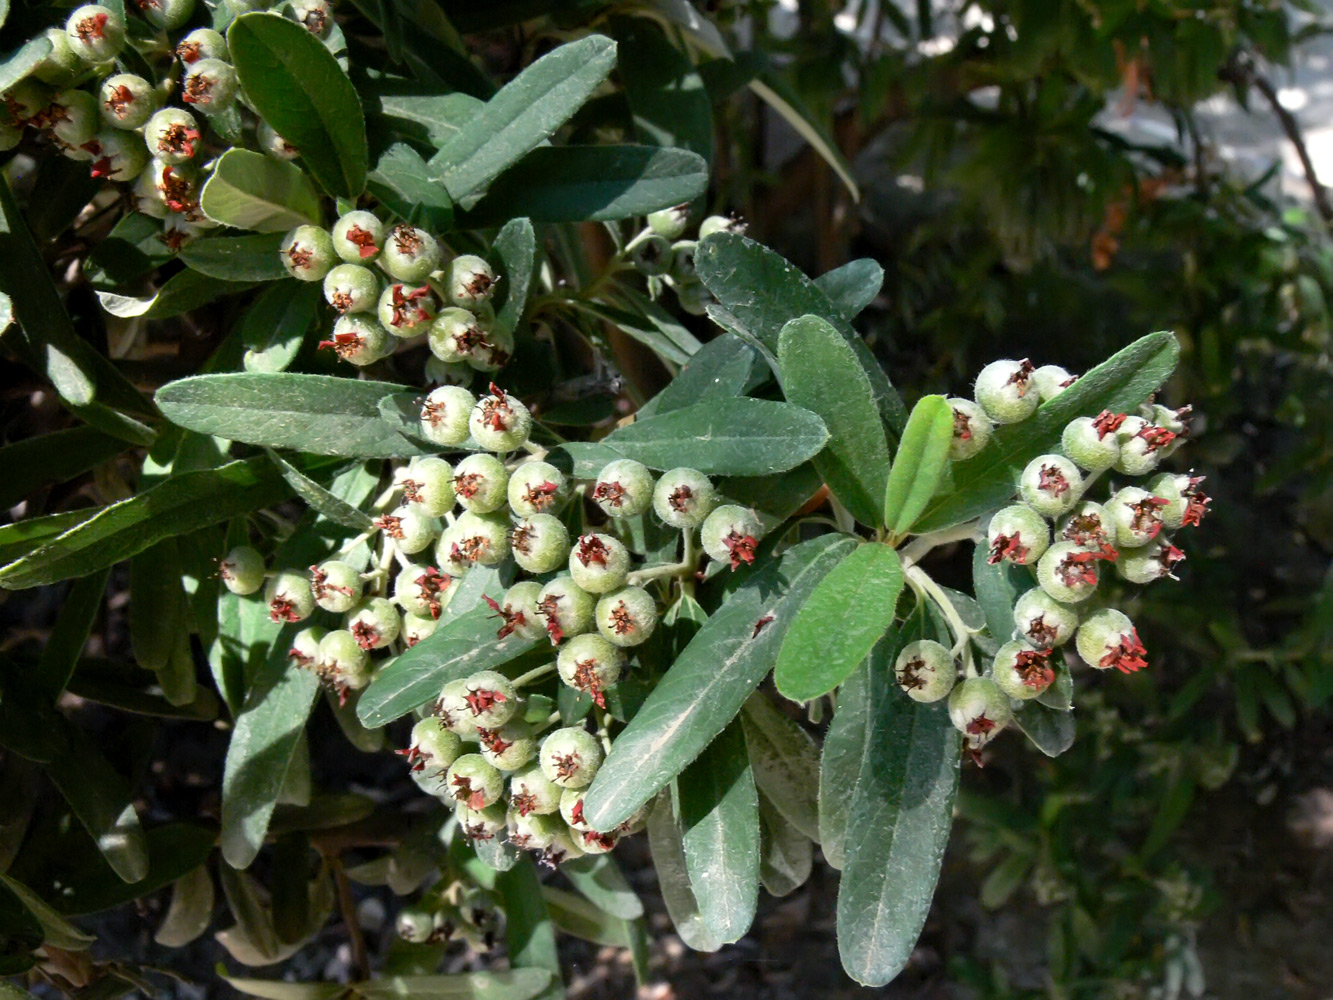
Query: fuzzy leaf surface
(922, 455)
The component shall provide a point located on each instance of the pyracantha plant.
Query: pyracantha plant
(559, 599)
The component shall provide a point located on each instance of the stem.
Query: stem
(921, 582)
(533, 674)
(347, 907)
(916, 551)
(684, 570)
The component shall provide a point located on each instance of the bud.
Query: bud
(627, 617)
(349, 288)
(374, 623)
(1185, 504)
(423, 591)
(342, 662)
(651, 255)
(1092, 442)
(172, 136)
(531, 793)
(491, 699)
(1051, 380)
(1136, 516)
(126, 100)
(410, 254)
(531, 832)
(117, 155)
(304, 651)
(428, 486)
(289, 598)
(473, 540)
(75, 120)
(517, 611)
(510, 747)
(417, 627)
(473, 782)
(96, 34)
(358, 237)
(358, 339)
(1005, 391)
(469, 281)
(411, 531)
(720, 224)
(433, 748)
(925, 670)
(1151, 562)
(481, 824)
(670, 223)
(209, 86)
(683, 271)
(202, 43)
(599, 563)
(566, 607)
(406, 311)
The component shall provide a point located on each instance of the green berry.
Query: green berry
(474, 782)
(492, 352)
(167, 14)
(406, 311)
(571, 809)
(1042, 621)
(925, 670)
(1005, 391)
(531, 831)
(374, 623)
(473, 540)
(532, 793)
(1109, 639)
(518, 611)
(491, 699)
(358, 237)
(1086, 525)
(1051, 485)
(453, 709)
(624, 488)
(336, 586)
(96, 34)
(570, 757)
(1068, 572)
(730, 534)
(172, 136)
(1092, 442)
(500, 422)
(27, 102)
(210, 86)
(1136, 516)
(358, 339)
(416, 627)
(454, 334)
(566, 607)
(651, 256)
(509, 748)
(62, 63)
(627, 616)
(481, 824)
(1051, 380)
(1149, 563)
(1021, 671)
(469, 281)
(481, 483)
(720, 224)
(1185, 504)
(540, 543)
(683, 271)
(416, 925)
(444, 415)
(349, 288)
(304, 651)
(410, 254)
(428, 485)
(1017, 534)
(439, 372)
(599, 563)
(411, 531)
(316, 15)
(1141, 446)
(274, 144)
(117, 156)
(342, 661)
(288, 597)
(202, 43)
(979, 710)
(694, 297)
(242, 570)
(126, 100)
(75, 118)
(589, 664)
(423, 590)
(536, 488)
(972, 429)
(684, 497)
(670, 223)
(433, 747)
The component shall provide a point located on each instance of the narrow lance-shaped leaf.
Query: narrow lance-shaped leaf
(709, 682)
(785, 762)
(922, 455)
(843, 619)
(514, 254)
(528, 929)
(335, 509)
(841, 757)
(786, 856)
(665, 92)
(673, 878)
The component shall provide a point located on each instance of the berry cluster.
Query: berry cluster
(1068, 538)
(123, 125)
(661, 254)
(456, 908)
(446, 302)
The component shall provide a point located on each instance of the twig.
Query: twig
(347, 907)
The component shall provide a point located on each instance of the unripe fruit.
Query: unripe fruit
(683, 498)
(473, 782)
(127, 101)
(518, 611)
(433, 748)
(75, 118)
(1185, 504)
(423, 590)
(172, 135)
(563, 848)
(1051, 380)
(720, 224)
(925, 670)
(651, 255)
(411, 531)
(469, 281)
(358, 237)
(683, 271)
(439, 372)
(481, 824)
(1068, 572)
(242, 570)
(455, 334)
(62, 63)
(730, 534)
(571, 809)
(972, 428)
(481, 483)
(979, 710)
(1109, 639)
(444, 415)
(210, 86)
(202, 43)
(27, 102)
(307, 253)
(1143, 450)
(670, 223)
(273, 144)
(358, 339)
(509, 748)
(335, 585)
(570, 757)
(316, 15)
(492, 352)
(410, 254)
(416, 925)
(566, 607)
(350, 288)
(428, 486)
(453, 709)
(536, 488)
(589, 664)
(1021, 671)
(1042, 621)
(374, 623)
(533, 831)
(304, 651)
(406, 311)
(473, 540)
(173, 188)
(117, 156)
(167, 14)
(491, 699)
(417, 627)
(532, 793)
(627, 616)
(96, 34)
(599, 563)
(288, 597)
(343, 662)
(1017, 534)
(1136, 516)
(1005, 391)
(624, 488)
(1087, 525)
(1051, 485)
(1151, 562)
(1092, 441)
(540, 543)
(499, 422)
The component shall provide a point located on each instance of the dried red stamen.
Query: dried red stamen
(549, 608)
(119, 101)
(524, 802)
(198, 89)
(609, 493)
(980, 726)
(1167, 558)
(521, 539)
(363, 240)
(587, 680)
(603, 840)
(464, 792)
(566, 765)
(1085, 529)
(1147, 515)
(189, 52)
(1196, 508)
(390, 524)
(301, 256)
(1128, 655)
(1040, 633)
(740, 547)
(406, 307)
(177, 191)
(1051, 479)
(592, 550)
(466, 484)
(492, 741)
(680, 498)
(301, 659)
(1009, 547)
(962, 426)
(283, 609)
(540, 495)
(622, 622)
(1033, 669)
(319, 584)
(173, 239)
(1157, 437)
(91, 27)
(911, 678)
(405, 239)
(1021, 377)
(178, 139)
(512, 619)
(576, 814)
(346, 345)
(367, 636)
(484, 699)
(1077, 568)
(1107, 422)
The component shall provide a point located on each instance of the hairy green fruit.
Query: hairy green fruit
(540, 543)
(1109, 639)
(979, 710)
(1022, 671)
(684, 497)
(624, 488)
(590, 664)
(242, 570)
(925, 669)
(599, 563)
(481, 483)
(1005, 391)
(335, 585)
(1051, 485)
(1042, 621)
(730, 534)
(627, 617)
(570, 757)
(444, 415)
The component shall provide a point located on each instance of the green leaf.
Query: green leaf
(785, 761)
(514, 254)
(296, 85)
(820, 372)
(18, 64)
(522, 115)
(276, 323)
(673, 879)
(22, 537)
(402, 181)
(236, 258)
(634, 323)
(736, 269)
(317, 414)
(918, 464)
(249, 190)
(36, 462)
(599, 879)
(455, 649)
(842, 620)
(56, 930)
(528, 928)
(514, 984)
(666, 94)
(709, 682)
(897, 825)
(430, 119)
(591, 183)
(574, 915)
(719, 817)
(181, 293)
(988, 480)
(277, 989)
(180, 505)
(1050, 730)
(719, 369)
(782, 98)
(853, 286)
(317, 497)
(105, 683)
(157, 604)
(998, 588)
(786, 856)
(191, 909)
(846, 745)
(70, 633)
